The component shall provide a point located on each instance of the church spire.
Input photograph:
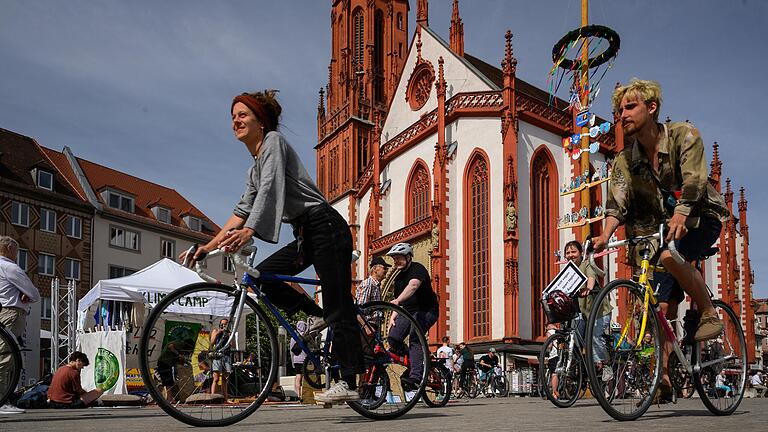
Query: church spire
(457, 31)
(422, 13)
(716, 166)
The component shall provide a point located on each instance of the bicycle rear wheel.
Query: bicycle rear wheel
(499, 385)
(723, 375)
(10, 365)
(438, 389)
(553, 360)
(388, 361)
(176, 358)
(627, 389)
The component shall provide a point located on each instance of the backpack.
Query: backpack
(34, 398)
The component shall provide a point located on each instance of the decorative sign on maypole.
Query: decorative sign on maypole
(597, 47)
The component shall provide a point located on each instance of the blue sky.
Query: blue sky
(145, 87)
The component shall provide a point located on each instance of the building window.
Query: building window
(123, 238)
(163, 215)
(544, 211)
(45, 308)
(74, 227)
(71, 269)
(120, 201)
(418, 194)
(359, 39)
(44, 179)
(399, 21)
(46, 265)
(168, 248)
(118, 272)
(47, 220)
(19, 214)
(23, 259)
(193, 223)
(229, 266)
(477, 228)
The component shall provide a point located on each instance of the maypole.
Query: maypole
(585, 201)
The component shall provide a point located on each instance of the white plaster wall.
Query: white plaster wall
(712, 273)
(105, 255)
(363, 205)
(458, 76)
(393, 204)
(530, 138)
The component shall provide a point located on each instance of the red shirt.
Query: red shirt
(65, 385)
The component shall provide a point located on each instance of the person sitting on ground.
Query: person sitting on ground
(757, 383)
(66, 391)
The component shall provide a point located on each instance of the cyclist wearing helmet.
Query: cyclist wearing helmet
(413, 292)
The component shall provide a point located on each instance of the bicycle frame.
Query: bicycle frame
(650, 302)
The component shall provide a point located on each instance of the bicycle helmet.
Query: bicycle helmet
(401, 249)
(561, 306)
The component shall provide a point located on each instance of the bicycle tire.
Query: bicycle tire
(399, 401)
(440, 380)
(10, 353)
(473, 385)
(546, 377)
(313, 374)
(641, 374)
(499, 384)
(177, 402)
(722, 406)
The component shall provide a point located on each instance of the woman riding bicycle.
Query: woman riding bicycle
(278, 189)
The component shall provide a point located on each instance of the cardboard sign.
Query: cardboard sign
(568, 280)
(582, 118)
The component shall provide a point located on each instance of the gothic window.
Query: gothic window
(477, 292)
(359, 40)
(544, 210)
(378, 57)
(420, 85)
(399, 21)
(363, 152)
(418, 194)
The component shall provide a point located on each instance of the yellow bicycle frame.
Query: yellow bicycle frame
(648, 300)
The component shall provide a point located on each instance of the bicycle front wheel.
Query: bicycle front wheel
(723, 375)
(200, 384)
(624, 367)
(561, 384)
(10, 364)
(438, 389)
(395, 370)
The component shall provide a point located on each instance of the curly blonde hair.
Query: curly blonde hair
(647, 90)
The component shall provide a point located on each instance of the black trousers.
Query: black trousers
(327, 244)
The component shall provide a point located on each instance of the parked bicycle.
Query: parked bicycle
(466, 386)
(168, 369)
(10, 363)
(717, 368)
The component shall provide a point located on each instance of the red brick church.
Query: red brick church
(420, 141)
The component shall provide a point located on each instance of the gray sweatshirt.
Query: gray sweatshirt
(277, 189)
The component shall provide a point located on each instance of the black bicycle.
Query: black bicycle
(10, 363)
(437, 391)
(172, 365)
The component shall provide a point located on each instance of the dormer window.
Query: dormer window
(43, 179)
(162, 214)
(193, 223)
(119, 201)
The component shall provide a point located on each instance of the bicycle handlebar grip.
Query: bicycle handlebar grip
(675, 254)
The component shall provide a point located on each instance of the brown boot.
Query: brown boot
(710, 327)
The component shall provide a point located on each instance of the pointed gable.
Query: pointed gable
(461, 77)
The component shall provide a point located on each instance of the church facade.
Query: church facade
(419, 141)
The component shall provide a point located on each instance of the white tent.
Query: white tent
(143, 286)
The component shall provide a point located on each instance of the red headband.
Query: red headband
(258, 110)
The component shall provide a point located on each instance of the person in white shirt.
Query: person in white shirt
(446, 352)
(16, 292)
(757, 384)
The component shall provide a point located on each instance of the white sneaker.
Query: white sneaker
(10, 409)
(338, 393)
(607, 373)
